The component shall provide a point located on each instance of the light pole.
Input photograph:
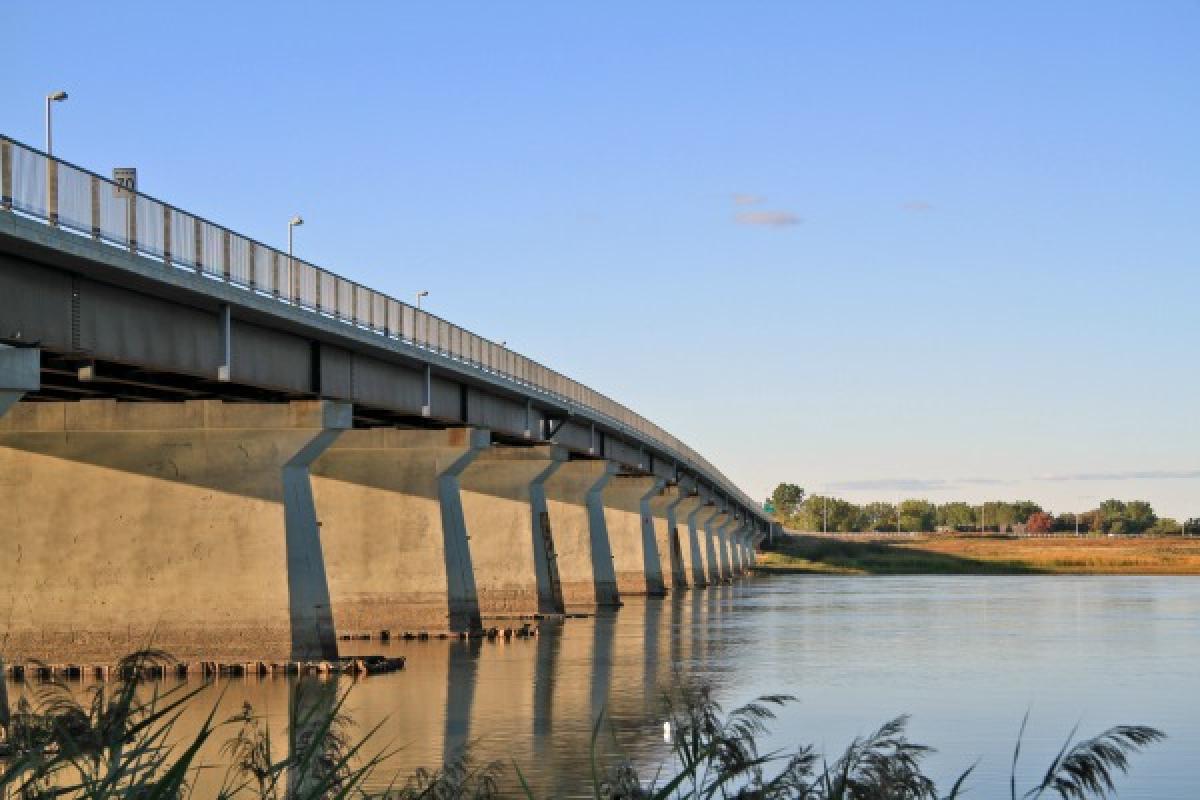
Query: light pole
(292, 223)
(53, 97)
(420, 294)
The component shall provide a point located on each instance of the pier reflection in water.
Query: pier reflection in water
(531, 702)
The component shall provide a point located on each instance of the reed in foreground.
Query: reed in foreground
(120, 742)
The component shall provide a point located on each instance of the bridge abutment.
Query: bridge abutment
(394, 530)
(575, 504)
(188, 527)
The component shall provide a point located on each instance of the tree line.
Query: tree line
(795, 508)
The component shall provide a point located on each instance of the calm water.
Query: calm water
(966, 656)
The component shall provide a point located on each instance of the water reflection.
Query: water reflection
(965, 656)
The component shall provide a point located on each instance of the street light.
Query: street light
(292, 223)
(420, 294)
(53, 97)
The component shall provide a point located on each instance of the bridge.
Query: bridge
(213, 447)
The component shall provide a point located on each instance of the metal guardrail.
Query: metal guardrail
(65, 196)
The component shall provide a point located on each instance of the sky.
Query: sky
(923, 249)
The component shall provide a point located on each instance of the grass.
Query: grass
(864, 554)
(119, 744)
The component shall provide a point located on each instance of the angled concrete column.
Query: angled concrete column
(20, 372)
(725, 553)
(733, 535)
(184, 526)
(574, 501)
(630, 534)
(393, 530)
(689, 542)
(708, 532)
(666, 535)
(742, 537)
(512, 547)
(719, 569)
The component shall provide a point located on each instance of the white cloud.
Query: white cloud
(770, 219)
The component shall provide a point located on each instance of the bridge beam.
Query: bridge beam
(575, 504)
(512, 547)
(631, 534)
(394, 531)
(188, 527)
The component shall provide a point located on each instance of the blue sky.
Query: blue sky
(923, 249)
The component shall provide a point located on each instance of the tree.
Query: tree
(956, 516)
(1039, 522)
(787, 497)
(917, 515)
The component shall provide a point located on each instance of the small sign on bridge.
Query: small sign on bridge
(126, 180)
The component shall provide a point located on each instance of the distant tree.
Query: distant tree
(1191, 526)
(877, 516)
(1065, 522)
(1139, 516)
(917, 515)
(1164, 526)
(956, 516)
(787, 498)
(1039, 522)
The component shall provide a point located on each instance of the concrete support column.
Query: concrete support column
(723, 530)
(666, 535)
(20, 372)
(184, 526)
(394, 532)
(735, 547)
(635, 552)
(684, 518)
(575, 503)
(512, 546)
(743, 547)
(712, 563)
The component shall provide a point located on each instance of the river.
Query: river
(965, 656)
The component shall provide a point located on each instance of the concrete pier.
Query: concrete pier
(723, 546)
(631, 535)
(184, 526)
(683, 515)
(574, 501)
(718, 569)
(394, 532)
(512, 545)
(708, 533)
(661, 508)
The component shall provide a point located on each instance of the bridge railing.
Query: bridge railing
(68, 197)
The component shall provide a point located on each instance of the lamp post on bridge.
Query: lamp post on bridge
(420, 294)
(53, 97)
(292, 223)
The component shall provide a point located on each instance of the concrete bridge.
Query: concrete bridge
(209, 446)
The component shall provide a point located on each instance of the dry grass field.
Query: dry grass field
(862, 554)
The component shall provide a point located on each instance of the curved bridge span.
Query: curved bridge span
(259, 456)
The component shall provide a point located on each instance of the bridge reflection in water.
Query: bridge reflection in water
(531, 702)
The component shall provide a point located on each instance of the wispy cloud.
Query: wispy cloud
(745, 199)
(912, 484)
(770, 219)
(917, 205)
(1145, 475)
(890, 484)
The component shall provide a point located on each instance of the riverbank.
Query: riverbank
(865, 554)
